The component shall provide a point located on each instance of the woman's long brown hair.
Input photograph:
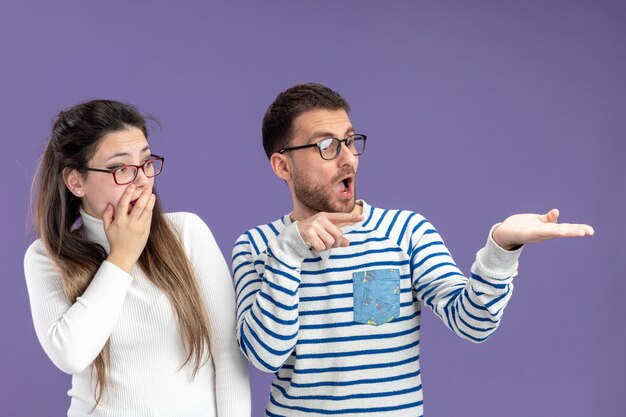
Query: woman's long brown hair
(75, 137)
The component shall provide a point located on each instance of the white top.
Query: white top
(145, 377)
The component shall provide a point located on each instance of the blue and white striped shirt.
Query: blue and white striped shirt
(342, 330)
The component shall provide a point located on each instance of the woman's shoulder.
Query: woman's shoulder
(37, 263)
(183, 221)
(192, 231)
(36, 249)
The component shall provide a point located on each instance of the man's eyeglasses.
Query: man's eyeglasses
(330, 148)
(125, 174)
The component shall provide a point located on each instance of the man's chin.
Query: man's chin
(345, 206)
(319, 201)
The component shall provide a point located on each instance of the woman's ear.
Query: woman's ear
(73, 181)
(281, 166)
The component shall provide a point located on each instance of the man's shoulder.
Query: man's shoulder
(380, 218)
(260, 235)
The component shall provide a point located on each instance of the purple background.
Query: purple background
(474, 112)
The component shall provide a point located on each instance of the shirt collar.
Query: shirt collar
(94, 230)
(345, 229)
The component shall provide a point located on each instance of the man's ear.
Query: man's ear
(281, 166)
(73, 181)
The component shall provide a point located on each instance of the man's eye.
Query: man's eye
(325, 144)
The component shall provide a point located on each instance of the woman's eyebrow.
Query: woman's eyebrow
(115, 155)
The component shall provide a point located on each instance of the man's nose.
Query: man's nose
(346, 155)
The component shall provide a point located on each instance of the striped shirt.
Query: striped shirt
(341, 329)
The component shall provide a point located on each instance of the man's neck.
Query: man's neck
(305, 213)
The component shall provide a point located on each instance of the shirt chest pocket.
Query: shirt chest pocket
(376, 296)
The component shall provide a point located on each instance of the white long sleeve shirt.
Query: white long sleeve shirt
(145, 377)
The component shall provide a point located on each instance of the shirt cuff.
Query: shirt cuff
(289, 247)
(496, 262)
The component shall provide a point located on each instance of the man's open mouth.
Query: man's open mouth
(345, 186)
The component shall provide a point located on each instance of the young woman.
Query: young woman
(136, 304)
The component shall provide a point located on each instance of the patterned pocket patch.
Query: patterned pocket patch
(376, 296)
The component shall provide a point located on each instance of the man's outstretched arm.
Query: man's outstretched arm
(472, 307)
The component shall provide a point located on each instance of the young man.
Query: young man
(329, 296)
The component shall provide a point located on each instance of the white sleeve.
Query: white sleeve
(72, 335)
(231, 368)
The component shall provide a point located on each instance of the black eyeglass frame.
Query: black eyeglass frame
(347, 142)
(112, 171)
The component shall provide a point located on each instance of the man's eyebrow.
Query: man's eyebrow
(324, 134)
(115, 155)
